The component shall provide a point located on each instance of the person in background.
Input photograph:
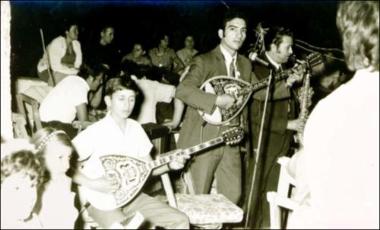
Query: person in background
(65, 56)
(21, 177)
(154, 92)
(337, 172)
(137, 55)
(69, 100)
(129, 139)
(334, 75)
(164, 57)
(168, 67)
(104, 52)
(187, 53)
(56, 209)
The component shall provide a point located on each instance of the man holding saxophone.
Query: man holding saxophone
(280, 121)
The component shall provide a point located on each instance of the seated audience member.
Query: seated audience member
(68, 100)
(65, 56)
(128, 138)
(57, 208)
(104, 52)
(137, 56)
(187, 53)
(154, 92)
(170, 67)
(165, 57)
(337, 172)
(21, 176)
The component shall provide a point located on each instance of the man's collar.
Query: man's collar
(275, 64)
(227, 55)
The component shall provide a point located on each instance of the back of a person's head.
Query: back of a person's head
(92, 70)
(25, 162)
(358, 24)
(274, 36)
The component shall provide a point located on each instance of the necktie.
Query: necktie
(232, 68)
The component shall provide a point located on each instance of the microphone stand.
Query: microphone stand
(258, 151)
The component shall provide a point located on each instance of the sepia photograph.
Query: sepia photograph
(192, 114)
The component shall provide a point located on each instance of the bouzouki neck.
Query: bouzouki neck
(166, 158)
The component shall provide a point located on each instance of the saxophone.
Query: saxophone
(306, 93)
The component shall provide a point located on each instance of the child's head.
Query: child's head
(21, 175)
(55, 148)
(121, 96)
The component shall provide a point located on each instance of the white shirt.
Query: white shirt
(57, 205)
(57, 50)
(105, 137)
(275, 64)
(154, 92)
(341, 156)
(60, 104)
(228, 59)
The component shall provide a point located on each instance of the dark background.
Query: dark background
(311, 21)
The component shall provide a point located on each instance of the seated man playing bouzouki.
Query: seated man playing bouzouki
(116, 134)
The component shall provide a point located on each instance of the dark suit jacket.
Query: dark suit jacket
(202, 68)
(280, 101)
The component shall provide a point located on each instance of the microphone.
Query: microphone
(253, 57)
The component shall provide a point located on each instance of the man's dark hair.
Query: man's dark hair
(231, 14)
(274, 36)
(93, 70)
(104, 27)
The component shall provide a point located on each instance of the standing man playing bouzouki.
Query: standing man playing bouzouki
(117, 134)
(225, 161)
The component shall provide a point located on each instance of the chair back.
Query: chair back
(32, 120)
(279, 201)
(18, 123)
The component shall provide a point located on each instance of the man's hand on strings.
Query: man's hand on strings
(225, 101)
(296, 125)
(179, 161)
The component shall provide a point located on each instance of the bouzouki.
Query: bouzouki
(242, 90)
(132, 173)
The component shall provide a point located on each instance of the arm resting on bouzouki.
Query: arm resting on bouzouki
(189, 90)
(101, 184)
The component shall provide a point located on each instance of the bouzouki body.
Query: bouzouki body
(131, 173)
(242, 90)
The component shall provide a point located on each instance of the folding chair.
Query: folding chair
(280, 202)
(33, 121)
(18, 123)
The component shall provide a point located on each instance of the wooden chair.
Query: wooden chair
(280, 202)
(207, 211)
(18, 123)
(33, 121)
(29, 94)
